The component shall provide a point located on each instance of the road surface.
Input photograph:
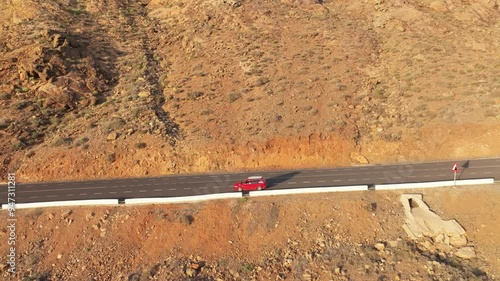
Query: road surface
(187, 185)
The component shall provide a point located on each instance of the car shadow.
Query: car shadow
(273, 181)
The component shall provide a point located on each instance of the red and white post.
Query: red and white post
(454, 169)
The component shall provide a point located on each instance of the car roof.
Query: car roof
(255, 178)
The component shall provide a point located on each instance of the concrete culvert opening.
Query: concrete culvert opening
(421, 221)
(413, 204)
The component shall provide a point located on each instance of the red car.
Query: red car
(251, 183)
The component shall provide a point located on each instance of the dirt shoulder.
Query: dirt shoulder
(343, 236)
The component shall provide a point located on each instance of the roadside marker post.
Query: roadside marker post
(454, 169)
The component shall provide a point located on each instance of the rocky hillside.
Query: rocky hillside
(127, 88)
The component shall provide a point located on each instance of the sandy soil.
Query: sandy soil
(257, 239)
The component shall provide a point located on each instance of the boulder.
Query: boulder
(380, 246)
(56, 96)
(439, 6)
(442, 247)
(112, 136)
(190, 272)
(144, 94)
(358, 158)
(466, 253)
(393, 243)
(458, 241)
(66, 214)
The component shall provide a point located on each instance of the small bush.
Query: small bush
(21, 105)
(82, 141)
(55, 121)
(341, 87)
(111, 158)
(379, 93)
(76, 11)
(416, 89)
(206, 112)
(140, 145)
(37, 122)
(421, 107)
(114, 125)
(5, 96)
(261, 81)
(62, 141)
(136, 112)
(194, 95)
(22, 89)
(233, 96)
(4, 124)
(247, 268)
(254, 71)
(187, 219)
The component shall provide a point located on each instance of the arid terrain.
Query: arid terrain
(341, 236)
(120, 88)
(127, 88)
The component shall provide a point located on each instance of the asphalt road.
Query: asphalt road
(186, 185)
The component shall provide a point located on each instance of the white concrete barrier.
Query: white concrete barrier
(64, 203)
(308, 190)
(184, 199)
(433, 184)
